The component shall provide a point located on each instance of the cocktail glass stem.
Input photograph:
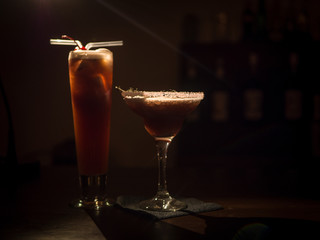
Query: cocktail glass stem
(162, 201)
(162, 150)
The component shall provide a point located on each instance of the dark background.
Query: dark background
(159, 42)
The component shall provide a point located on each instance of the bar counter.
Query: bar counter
(38, 209)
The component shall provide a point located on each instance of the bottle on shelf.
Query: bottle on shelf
(303, 28)
(275, 32)
(192, 83)
(220, 95)
(248, 20)
(253, 96)
(293, 94)
(316, 127)
(315, 118)
(290, 32)
(261, 31)
(190, 29)
(221, 28)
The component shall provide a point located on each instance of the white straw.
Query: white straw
(62, 42)
(66, 42)
(88, 46)
(103, 44)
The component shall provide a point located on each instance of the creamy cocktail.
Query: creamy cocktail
(163, 114)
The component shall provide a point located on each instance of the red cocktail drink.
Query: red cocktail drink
(91, 85)
(163, 112)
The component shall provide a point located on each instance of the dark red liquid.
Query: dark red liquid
(91, 85)
(163, 118)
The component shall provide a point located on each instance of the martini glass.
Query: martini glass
(163, 114)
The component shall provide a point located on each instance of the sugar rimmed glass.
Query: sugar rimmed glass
(163, 114)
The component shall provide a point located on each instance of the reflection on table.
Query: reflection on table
(39, 210)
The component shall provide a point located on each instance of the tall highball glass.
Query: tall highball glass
(90, 73)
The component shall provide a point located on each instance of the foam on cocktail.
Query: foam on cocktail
(145, 102)
(163, 95)
(102, 54)
(164, 99)
(89, 54)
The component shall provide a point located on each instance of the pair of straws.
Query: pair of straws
(66, 40)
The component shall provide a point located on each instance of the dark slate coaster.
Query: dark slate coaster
(193, 206)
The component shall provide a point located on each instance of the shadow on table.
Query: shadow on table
(117, 223)
(260, 228)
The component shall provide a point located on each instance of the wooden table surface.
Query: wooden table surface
(38, 209)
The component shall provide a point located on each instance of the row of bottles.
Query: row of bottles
(253, 94)
(250, 88)
(272, 21)
(252, 91)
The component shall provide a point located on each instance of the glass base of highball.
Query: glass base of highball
(162, 204)
(93, 193)
(95, 204)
